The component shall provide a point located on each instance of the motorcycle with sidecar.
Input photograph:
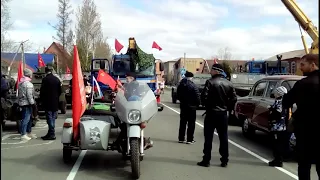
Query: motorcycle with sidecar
(119, 126)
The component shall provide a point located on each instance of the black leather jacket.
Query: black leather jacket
(218, 94)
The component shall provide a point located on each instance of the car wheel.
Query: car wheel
(247, 129)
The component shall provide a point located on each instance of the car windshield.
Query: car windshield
(121, 67)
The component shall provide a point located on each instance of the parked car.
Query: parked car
(251, 112)
(198, 79)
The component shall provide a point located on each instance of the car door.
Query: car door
(262, 113)
(257, 94)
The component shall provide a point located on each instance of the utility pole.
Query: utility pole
(184, 60)
(22, 54)
(93, 46)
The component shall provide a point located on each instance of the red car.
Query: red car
(251, 112)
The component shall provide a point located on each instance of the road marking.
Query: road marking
(31, 145)
(76, 166)
(244, 149)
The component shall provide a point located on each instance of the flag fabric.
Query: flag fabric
(20, 75)
(96, 86)
(40, 61)
(106, 79)
(78, 94)
(215, 61)
(156, 46)
(117, 45)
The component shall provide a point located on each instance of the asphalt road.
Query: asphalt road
(167, 160)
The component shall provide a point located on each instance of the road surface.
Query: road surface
(167, 160)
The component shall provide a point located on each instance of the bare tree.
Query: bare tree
(224, 54)
(88, 30)
(102, 49)
(64, 33)
(6, 24)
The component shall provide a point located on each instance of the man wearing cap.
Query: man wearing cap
(49, 94)
(26, 102)
(189, 96)
(218, 96)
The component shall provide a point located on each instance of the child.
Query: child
(278, 120)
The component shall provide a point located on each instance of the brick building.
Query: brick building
(62, 57)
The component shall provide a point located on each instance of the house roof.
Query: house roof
(31, 58)
(60, 48)
(288, 55)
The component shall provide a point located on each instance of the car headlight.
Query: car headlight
(134, 116)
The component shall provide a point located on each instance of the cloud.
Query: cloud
(199, 28)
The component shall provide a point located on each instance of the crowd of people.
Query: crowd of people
(219, 97)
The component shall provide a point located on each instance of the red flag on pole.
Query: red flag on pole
(117, 45)
(40, 61)
(78, 94)
(105, 78)
(156, 46)
(20, 74)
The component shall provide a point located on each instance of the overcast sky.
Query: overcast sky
(250, 28)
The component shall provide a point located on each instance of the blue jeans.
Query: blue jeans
(51, 117)
(26, 122)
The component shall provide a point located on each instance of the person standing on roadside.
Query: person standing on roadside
(49, 95)
(278, 119)
(305, 120)
(189, 97)
(26, 102)
(219, 97)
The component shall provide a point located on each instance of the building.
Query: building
(158, 72)
(168, 71)
(31, 60)
(234, 64)
(292, 57)
(62, 57)
(190, 64)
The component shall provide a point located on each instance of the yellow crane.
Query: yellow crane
(306, 24)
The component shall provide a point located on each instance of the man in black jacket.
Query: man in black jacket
(189, 97)
(219, 96)
(306, 95)
(49, 95)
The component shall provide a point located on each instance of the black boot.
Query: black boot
(203, 163)
(275, 163)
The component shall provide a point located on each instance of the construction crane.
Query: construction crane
(306, 24)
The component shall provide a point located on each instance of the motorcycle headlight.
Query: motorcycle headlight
(134, 116)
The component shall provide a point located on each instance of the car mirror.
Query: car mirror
(272, 95)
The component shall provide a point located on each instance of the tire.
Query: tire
(247, 129)
(63, 107)
(135, 158)
(67, 153)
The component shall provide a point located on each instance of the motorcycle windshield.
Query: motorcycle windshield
(135, 91)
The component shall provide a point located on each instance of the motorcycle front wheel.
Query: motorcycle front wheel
(135, 157)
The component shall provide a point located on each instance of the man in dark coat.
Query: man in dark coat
(189, 96)
(218, 96)
(306, 119)
(49, 95)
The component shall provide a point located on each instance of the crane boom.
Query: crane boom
(305, 23)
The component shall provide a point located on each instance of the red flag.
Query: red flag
(20, 73)
(117, 45)
(156, 46)
(105, 78)
(78, 94)
(40, 61)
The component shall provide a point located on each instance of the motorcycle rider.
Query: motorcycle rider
(219, 97)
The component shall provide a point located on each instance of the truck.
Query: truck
(135, 60)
